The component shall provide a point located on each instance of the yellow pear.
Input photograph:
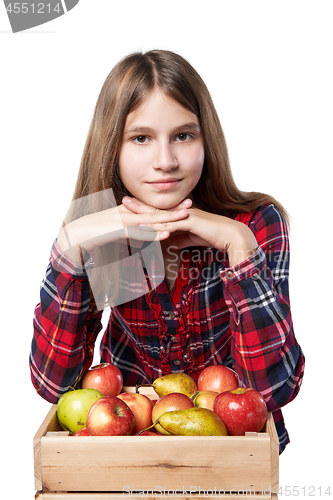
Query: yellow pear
(192, 422)
(175, 382)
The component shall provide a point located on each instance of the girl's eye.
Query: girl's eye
(141, 139)
(183, 137)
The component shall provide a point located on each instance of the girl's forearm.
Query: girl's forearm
(72, 251)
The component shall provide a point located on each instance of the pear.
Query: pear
(175, 382)
(192, 422)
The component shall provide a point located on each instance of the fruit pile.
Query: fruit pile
(214, 406)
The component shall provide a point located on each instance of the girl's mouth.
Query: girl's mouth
(162, 185)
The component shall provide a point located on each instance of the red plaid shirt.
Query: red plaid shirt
(237, 316)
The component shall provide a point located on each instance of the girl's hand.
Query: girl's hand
(201, 228)
(116, 224)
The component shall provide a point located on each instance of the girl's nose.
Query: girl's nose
(164, 157)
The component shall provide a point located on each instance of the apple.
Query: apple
(241, 410)
(73, 408)
(170, 402)
(217, 378)
(82, 432)
(141, 407)
(205, 399)
(110, 416)
(106, 378)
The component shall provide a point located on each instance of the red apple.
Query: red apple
(141, 407)
(111, 417)
(106, 378)
(217, 378)
(170, 402)
(241, 410)
(205, 399)
(82, 432)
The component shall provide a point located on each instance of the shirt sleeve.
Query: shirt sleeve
(266, 354)
(66, 323)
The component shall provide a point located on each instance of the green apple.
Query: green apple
(73, 408)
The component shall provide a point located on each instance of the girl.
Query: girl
(156, 141)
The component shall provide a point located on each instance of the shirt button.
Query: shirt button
(176, 362)
(229, 275)
(174, 339)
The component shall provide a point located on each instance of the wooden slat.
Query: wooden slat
(139, 462)
(50, 423)
(271, 430)
(121, 496)
(147, 391)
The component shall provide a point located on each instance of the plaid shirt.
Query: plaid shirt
(237, 316)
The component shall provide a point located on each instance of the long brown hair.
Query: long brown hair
(124, 89)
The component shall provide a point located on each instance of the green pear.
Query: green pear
(73, 408)
(175, 382)
(192, 422)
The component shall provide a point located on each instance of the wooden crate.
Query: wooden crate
(116, 467)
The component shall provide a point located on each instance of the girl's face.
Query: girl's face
(162, 151)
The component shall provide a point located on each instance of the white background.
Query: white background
(268, 66)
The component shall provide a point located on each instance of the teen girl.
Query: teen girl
(156, 141)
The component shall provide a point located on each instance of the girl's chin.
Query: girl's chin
(166, 204)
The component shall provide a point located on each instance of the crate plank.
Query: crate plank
(139, 462)
(120, 496)
(49, 424)
(271, 430)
